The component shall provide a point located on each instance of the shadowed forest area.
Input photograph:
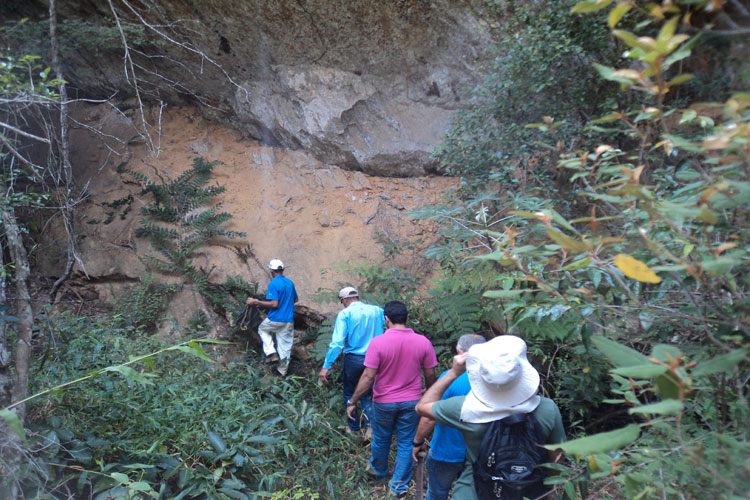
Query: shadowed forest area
(602, 214)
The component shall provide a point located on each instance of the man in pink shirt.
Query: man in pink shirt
(394, 364)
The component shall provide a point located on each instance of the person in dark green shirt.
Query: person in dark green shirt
(503, 382)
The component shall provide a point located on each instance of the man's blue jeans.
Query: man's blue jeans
(441, 476)
(351, 370)
(401, 419)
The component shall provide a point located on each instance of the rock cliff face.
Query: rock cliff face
(323, 112)
(314, 217)
(361, 84)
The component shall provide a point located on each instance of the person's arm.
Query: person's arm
(436, 390)
(268, 304)
(429, 377)
(424, 430)
(335, 347)
(365, 382)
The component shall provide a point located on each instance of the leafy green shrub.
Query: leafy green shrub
(645, 268)
(141, 307)
(177, 426)
(542, 67)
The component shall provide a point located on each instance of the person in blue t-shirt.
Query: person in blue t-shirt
(280, 299)
(355, 327)
(445, 460)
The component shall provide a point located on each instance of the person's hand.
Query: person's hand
(350, 411)
(459, 363)
(251, 301)
(416, 451)
(323, 375)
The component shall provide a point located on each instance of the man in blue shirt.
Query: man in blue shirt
(445, 461)
(280, 299)
(355, 327)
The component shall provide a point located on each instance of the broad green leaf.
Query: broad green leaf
(14, 423)
(618, 354)
(609, 74)
(668, 385)
(556, 217)
(578, 264)
(633, 41)
(687, 117)
(640, 371)
(120, 477)
(616, 14)
(679, 79)
(721, 363)
(211, 341)
(665, 353)
(502, 294)
(140, 486)
(568, 243)
(141, 378)
(497, 256)
(721, 264)
(668, 29)
(592, 6)
(609, 118)
(600, 443)
(192, 350)
(262, 439)
(666, 407)
(216, 442)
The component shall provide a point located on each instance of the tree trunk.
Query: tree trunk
(64, 177)
(11, 447)
(5, 371)
(23, 310)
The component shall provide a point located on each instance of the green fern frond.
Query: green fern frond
(455, 314)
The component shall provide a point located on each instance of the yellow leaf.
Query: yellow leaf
(723, 248)
(630, 74)
(635, 269)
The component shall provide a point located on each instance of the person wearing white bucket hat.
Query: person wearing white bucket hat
(280, 299)
(503, 383)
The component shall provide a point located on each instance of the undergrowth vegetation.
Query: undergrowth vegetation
(611, 231)
(179, 426)
(629, 274)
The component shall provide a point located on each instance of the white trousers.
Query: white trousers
(284, 340)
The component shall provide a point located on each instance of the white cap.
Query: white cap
(348, 292)
(276, 265)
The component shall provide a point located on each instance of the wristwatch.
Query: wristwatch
(417, 445)
(349, 403)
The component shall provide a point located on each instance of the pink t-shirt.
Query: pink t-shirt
(399, 356)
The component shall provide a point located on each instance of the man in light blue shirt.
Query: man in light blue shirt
(355, 327)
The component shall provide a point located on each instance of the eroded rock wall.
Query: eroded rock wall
(364, 85)
(314, 217)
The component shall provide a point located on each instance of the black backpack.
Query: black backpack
(507, 467)
(248, 319)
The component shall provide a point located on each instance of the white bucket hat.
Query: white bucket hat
(502, 380)
(348, 292)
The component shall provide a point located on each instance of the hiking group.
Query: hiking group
(488, 423)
